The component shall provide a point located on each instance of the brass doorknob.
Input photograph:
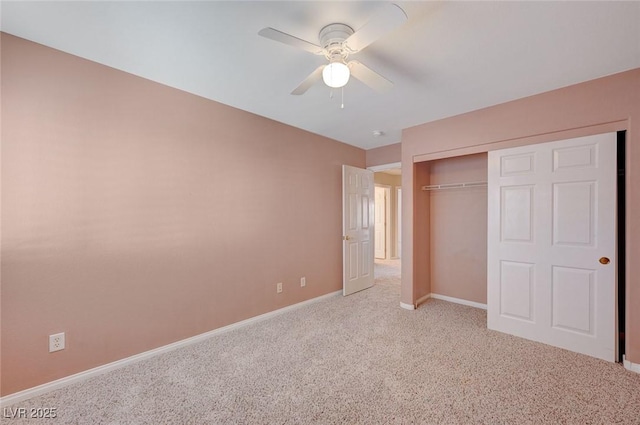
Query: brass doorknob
(346, 238)
(604, 260)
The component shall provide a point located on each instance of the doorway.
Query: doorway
(399, 222)
(382, 221)
(388, 223)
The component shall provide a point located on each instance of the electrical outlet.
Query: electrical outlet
(279, 287)
(303, 281)
(56, 342)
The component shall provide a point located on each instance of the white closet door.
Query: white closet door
(551, 243)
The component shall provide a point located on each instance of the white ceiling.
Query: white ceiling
(449, 58)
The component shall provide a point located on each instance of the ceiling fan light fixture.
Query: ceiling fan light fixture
(336, 75)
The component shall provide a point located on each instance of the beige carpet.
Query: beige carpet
(358, 360)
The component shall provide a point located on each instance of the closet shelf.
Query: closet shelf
(453, 185)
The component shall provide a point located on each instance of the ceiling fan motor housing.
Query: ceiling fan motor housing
(332, 38)
(336, 42)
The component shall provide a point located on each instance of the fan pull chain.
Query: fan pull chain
(341, 94)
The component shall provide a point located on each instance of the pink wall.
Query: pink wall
(606, 104)
(383, 155)
(135, 215)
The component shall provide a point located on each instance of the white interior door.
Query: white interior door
(380, 239)
(551, 243)
(357, 227)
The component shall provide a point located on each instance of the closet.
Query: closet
(530, 232)
(457, 198)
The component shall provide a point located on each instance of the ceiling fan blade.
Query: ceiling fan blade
(313, 78)
(282, 37)
(382, 22)
(369, 77)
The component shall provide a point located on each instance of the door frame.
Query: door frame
(384, 167)
(398, 241)
(387, 220)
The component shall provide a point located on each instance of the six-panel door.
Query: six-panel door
(358, 228)
(551, 243)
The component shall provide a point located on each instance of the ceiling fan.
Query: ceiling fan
(337, 42)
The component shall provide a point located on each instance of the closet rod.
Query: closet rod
(453, 185)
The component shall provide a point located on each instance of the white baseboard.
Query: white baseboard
(423, 299)
(81, 376)
(414, 306)
(459, 301)
(443, 298)
(407, 306)
(633, 367)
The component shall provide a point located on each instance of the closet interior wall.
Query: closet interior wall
(458, 228)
